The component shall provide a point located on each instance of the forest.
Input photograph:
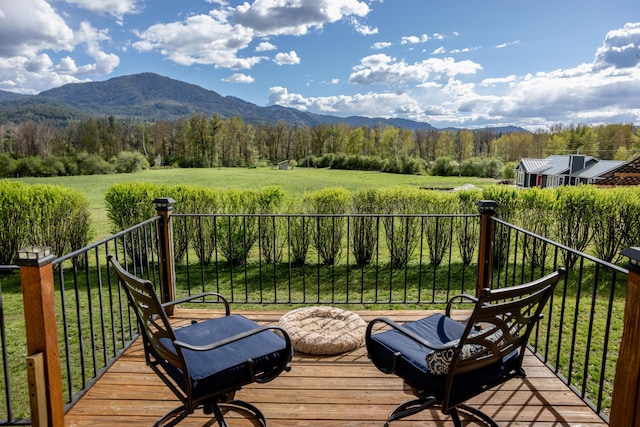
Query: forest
(216, 141)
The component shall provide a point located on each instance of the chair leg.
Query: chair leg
(172, 417)
(477, 414)
(218, 409)
(409, 408)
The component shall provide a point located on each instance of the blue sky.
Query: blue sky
(466, 63)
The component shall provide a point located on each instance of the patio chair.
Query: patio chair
(445, 362)
(205, 363)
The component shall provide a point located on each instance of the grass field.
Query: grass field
(294, 182)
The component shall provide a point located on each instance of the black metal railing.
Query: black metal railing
(399, 261)
(327, 259)
(579, 337)
(95, 325)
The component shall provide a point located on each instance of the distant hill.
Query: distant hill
(154, 97)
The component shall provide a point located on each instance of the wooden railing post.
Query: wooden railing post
(164, 205)
(625, 402)
(36, 277)
(487, 209)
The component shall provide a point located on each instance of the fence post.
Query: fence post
(36, 277)
(487, 209)
(164, 205)
(625, 402)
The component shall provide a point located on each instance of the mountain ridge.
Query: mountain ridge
(153, 97)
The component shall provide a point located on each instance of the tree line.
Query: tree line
(215, 141)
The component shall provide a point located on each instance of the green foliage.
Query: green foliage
(299, 232)
(574, 215)
(327, 231)
(270, 200)
(14, 219)
(483, 167)
(509, 170)
(129, 162)
(467, 230)
(42, 215)
(534, 208)
(237, 233)
(613, 221)
(93, 164)
(130, 203)
(444, 166)
(200, 230)
(402, 232)
(7, 166)
(438, 230)
(364, 230)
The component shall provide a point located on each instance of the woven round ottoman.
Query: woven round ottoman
(323, 330)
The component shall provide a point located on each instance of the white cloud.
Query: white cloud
(381, 45)
(200, 39)
(265, 46)
(29, 26)
(116, 8)
(383, 69)
(621, 48)
(414, 39)
(32, 33)
(289, 58)
(503, 45)
(239, 78)
(365, 30)
(272, 17)
(605, 91)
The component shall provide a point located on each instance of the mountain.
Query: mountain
(153, 97)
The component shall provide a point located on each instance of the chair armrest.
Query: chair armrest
(461, 298)
(404, 331)
(201, 295)
(234, 338)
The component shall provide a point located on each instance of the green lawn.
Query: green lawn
(294, 182)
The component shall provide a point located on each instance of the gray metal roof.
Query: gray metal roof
(530, 165)
(598, 169)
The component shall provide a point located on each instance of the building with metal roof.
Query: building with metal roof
(556, 171)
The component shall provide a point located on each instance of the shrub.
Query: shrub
(327, 231)
(14, 224)
(130, 162)
(270, 200)
(53, 166)
(200, 230)
(236, 233)
(438, 230)
(130, 203)
(364, 231)
(574, 215)
(28, 166)
(402, 233)
(299, 232)
(467, 229)
(445, 166)
(7, 166)
(46, 215)
(92, 164)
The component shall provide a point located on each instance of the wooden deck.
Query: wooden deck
(344, 390)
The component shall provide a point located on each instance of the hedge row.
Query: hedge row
(600, 221)
(131, 203)
(77, 164)
(46, 215)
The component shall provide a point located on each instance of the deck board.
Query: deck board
(337, 391)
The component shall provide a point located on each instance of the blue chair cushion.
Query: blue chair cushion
(412, 366)
(226, 367)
